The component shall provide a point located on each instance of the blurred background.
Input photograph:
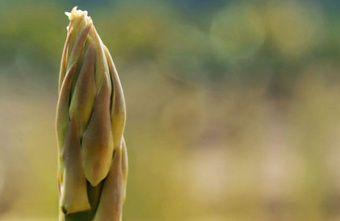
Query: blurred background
(233, 107)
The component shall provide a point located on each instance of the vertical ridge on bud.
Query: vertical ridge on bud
(114, 189)
(74, 191)
(63, 63)
(92, 170)
(118, 109)
(85, 90)
(97, 139)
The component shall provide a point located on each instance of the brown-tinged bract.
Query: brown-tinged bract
(90, 123)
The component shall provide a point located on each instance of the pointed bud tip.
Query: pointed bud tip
(76, 13)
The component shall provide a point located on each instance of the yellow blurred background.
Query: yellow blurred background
(233, 107)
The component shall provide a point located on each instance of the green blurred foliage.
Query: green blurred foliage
(232, 107)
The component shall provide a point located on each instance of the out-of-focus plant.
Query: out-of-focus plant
(90, 124)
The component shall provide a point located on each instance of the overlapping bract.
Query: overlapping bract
(90, 124)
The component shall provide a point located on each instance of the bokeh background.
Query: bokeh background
(233, 107)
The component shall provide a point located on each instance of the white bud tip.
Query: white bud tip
(75, 13)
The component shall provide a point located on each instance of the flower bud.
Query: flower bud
(90, 125)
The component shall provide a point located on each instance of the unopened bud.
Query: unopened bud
(90, 125)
